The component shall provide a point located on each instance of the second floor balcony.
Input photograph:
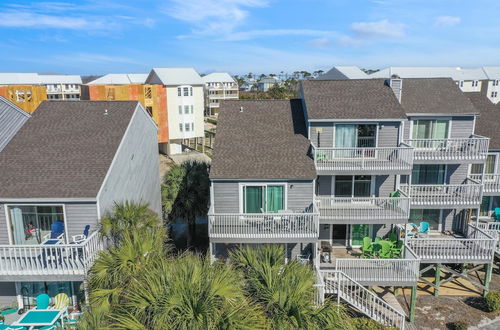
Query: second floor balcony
(491, 183)
(462, 150)
(376, 160)
(281, 227)
(363, 210)
(453, 196)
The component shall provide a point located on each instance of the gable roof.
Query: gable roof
(38, 79)
(120, 79)
(267, 140)
(434, 96)
(64, 150)
(218, 77)
(12, 118)
(343, 72)
(487, 121)
(455, 73)
(350, 99)
(176, 76)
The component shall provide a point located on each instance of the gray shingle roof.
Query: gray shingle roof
(434, 96)
(64, 150)
(487, 122)
(351, 99)
(265, 141)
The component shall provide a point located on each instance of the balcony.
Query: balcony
(453, 196)
(491, 183)
(383, 160)
(466, 150)
(363, 210)
(42, 262)
(281, 227)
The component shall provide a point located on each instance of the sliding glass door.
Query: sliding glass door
(432, 216)
(353, 186)
(264, 198)
(355, 136)
(428, 174)
(30, 223)
(430, 130)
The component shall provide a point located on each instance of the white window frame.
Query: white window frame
(372, 185)
(377, 128)
(242, 186)
(413, 119)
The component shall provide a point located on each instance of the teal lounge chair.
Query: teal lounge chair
(424, 228)
(367, 247)
(496, 214)
(42, 301)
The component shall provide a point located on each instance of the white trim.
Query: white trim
(370, 233)
(412, 120)
(46, 200)
(372, 184)
(261, 184)
(360, 120)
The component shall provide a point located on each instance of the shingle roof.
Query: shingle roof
(434, 96)
(64, 150)
(177, 76)
(267, 140)
(351, 99)
(217, 77)
(120, 79)
(487, 121)
(456, 73)
(343, 72)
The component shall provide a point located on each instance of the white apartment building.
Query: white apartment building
(218, 86)
(185, 104)
(58, 87)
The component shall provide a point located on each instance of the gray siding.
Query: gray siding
(384, 184)
(406, 129)
(321, 134)
(135, 172)
(226, 195)
(462, 127)
(78, 215)
(4, 236)
(7, 293)
(388, 135)
(324, 184)
(12, 118)
(456, 174)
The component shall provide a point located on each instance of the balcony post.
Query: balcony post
(413, 303)
(487, 279)
(437, 282)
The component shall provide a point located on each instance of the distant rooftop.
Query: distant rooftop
(487, 121)
(120, 79)
(38, 79)
(175, 76)
(343, 72)
(218, 77)
(455, 73)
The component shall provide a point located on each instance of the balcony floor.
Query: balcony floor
(374, 166)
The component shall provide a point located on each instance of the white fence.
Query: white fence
(364, 209)
(61, 259)
(387, 159)
(474, 148)
(453, 195)
(491, 182)
(492, 229)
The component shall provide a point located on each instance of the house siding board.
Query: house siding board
(300, 195)
(461, 127)
(11, 120)
(324, 183)
(225, 197)
(456, 173)
(384, 184)
(324, 138)
(388, 135)
(7, 293)
(78, 215)
(135, 173)
(4, 236)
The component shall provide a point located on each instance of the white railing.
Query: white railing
(263, 225)
(492, 229)
(491, 182)
(465, 149)
(477, 246)
(347, 289)
(443, 194)
(319, 287)
(383, 272)
(367, 209)
(363, 159)
(61, 259)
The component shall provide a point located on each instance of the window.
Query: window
(192, 127)
(180, 127)
(186, 91)
(180, 109)
(461, 83)
(352, 136)
(430, 129)
(490, 166)
(179, 91)
(428, 174)
(150, 111)
(267, 198)
(191, 91)
(484, 209)
(353, 186)
(20, 95)
(186, 127)
(192, 109)
(30, 224)
(475, 83)
(148, 93)
(493, 94)
(495, 82)
(186, 109)
(432, 216)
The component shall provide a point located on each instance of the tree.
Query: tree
(185, 192)
(278, 92)
(286, 290)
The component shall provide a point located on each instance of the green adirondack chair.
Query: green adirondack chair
(397, 249)
(393, 237)
(367, 247)
(385, 250)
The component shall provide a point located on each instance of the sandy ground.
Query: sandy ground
(167, 161)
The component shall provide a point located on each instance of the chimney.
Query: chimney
(396, 85)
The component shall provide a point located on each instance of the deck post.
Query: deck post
(413, 303)
(437, 282)
(487, 279)
(86, 292)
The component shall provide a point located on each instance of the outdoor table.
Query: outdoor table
(39, 318)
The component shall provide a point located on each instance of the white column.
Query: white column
(19, 296)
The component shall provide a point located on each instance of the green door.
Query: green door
(358, 233)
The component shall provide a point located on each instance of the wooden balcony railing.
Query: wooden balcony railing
(477, 247)
(468, 194)
(61, 259)
(356, 160)
(252, 227)
(366, 210)
(491, 182)
(474, 148)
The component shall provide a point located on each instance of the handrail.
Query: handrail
(443, 194)
(491, 182)
(474, 147)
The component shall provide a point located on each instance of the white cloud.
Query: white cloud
(378, 29)
(212, 16)
(447, 21)
(253, 34)
(320, 42)
(94, 58)
(18, 18)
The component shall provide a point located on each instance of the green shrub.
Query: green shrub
(363, 323)
(2, 318)
(493, 301)
(458, 325)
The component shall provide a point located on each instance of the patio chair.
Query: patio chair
(424, 228)
(496, 214)
(397, 249)
(61, 302)
(393, 237)
(303, 258)
(367, 247)
(42, 301)
(377, 239)
(56, 232)
(80, 238)
(385, 250)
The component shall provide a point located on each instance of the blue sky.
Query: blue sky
(240, 36)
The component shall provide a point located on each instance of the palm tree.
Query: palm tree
(187, 198)
(188, 292)
(128, 217)
(285, 291)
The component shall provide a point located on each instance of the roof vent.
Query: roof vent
(241, 109)
(105, 112)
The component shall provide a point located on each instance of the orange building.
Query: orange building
(152, 97)
(27, 97)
